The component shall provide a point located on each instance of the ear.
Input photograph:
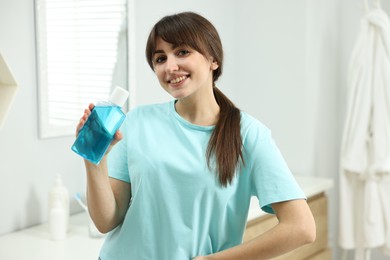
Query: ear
(214, 65)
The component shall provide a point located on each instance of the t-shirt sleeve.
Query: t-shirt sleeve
(272, 180)
(117, 158)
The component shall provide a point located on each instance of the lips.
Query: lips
(178, 79)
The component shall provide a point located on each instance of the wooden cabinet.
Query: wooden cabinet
(318, 250)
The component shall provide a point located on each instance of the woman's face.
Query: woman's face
(182, 71)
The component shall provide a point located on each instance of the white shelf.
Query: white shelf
(8, 87)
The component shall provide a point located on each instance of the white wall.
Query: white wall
(28, 165)
(285, 64)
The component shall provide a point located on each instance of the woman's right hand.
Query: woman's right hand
(87, 112)
(84, 118)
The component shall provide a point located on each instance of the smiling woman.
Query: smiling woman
(81, 55)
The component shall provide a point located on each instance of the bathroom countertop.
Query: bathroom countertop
(310, 185)
(34, 243)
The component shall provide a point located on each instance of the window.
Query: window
(81, 56)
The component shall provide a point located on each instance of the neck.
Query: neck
(200, 111)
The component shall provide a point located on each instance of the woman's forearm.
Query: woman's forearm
(101, 201)
(296, 228)
(275, 242)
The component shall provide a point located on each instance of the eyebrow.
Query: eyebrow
(157, 52)
(174, 46)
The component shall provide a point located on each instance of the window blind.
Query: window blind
(80, 51)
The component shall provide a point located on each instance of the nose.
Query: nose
(171, 65)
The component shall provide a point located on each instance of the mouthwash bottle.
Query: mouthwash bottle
(98, 131)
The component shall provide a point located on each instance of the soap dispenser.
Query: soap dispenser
(98, 131)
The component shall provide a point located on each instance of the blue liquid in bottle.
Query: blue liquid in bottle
(98, 131)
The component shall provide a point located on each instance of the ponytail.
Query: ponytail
(225, 143)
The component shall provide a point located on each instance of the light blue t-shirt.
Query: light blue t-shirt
(178, 209)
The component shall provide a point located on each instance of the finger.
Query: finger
(118, 135)
(87, 112)
(79, 126)
(84, 118)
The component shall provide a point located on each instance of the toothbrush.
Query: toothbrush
(78, 198)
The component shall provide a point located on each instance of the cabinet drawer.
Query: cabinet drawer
(323, 255)
(319, 207)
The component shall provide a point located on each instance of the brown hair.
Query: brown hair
(195, 31)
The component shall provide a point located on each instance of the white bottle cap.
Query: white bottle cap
(119, 96)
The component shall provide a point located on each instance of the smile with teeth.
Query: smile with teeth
(177, 80)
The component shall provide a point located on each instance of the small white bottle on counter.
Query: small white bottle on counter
(57, 221)
(58, 209)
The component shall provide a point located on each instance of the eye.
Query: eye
(160, 59)
(183, 53)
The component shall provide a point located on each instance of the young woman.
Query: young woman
(179, 177)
